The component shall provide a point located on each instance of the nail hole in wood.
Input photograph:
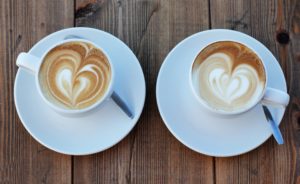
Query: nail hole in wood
(283, 37)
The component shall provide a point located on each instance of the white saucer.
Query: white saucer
(101, 129)
(184, 116)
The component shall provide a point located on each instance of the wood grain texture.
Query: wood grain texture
(151, 28)
(271, 22)
(150, 154)
(22, 159)
(292, 54)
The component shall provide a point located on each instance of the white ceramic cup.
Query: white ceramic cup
(269, 96)
(33, 64)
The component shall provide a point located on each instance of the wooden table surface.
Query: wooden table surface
(151, 28)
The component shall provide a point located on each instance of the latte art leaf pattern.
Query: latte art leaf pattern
(228, 76)
(75, 75)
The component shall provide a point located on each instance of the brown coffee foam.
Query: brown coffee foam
(85, 63)
(240, 55)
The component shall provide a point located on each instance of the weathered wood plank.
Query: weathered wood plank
(291, 53)
(150, 154)
(265, 20)
(22, 159)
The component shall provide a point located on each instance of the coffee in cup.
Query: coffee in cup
(74, 75)
(228, 76)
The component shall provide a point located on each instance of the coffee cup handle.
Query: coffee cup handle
(28, 62)
(276, 97)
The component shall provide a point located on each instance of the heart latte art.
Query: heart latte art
(228, 76)
(74, 75)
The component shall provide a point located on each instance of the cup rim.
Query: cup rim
(62, 110)
(219, 111)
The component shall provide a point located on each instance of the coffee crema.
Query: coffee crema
(74, 75)
(228, 76)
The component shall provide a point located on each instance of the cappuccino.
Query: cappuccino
(228, 76)
(74, 75)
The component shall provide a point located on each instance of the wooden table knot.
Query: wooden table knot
(283, 37)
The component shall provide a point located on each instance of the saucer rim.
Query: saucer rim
(163, 116)
(134, 120)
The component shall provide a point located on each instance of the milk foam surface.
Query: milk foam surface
(228, 76)
(75, 75)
